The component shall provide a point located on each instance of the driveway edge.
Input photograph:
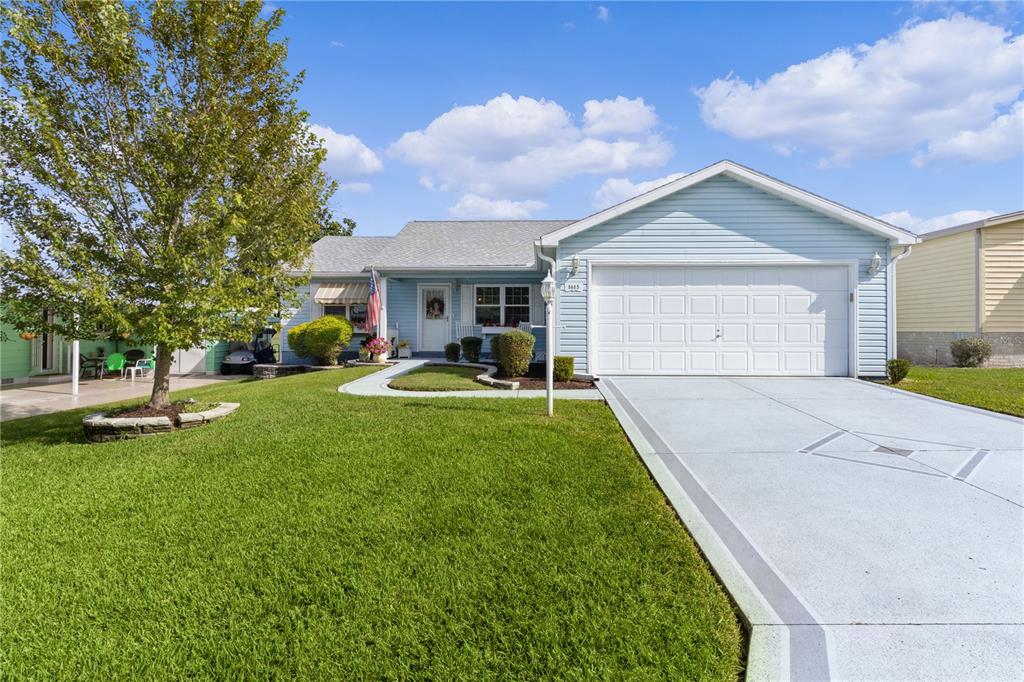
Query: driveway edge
(768, 655)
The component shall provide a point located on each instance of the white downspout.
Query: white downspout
(892, 292)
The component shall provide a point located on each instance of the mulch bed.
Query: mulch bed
(146, 411)
(535, 379)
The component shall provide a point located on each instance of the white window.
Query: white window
(353, 312)
(501, 305)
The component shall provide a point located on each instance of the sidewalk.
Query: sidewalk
(29, 400)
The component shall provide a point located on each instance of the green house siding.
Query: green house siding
(15, 354)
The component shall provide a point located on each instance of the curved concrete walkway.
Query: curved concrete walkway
(376, 384)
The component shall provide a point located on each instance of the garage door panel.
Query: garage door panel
(641, 305)
(671, 305)
(734, 305)
(773, 320)
(703, 304)
(641, 332)
(671, 333)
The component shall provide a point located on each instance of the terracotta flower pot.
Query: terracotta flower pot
(26, 336)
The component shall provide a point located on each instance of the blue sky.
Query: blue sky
(456, 110)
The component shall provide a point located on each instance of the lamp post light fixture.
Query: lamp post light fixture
(547, 292)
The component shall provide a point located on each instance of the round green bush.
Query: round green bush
(515, 350)
(322, 339)
(471, 348)
(970, 352)
(452, 351)
(565, 367)
(496, 349)
(897, 369)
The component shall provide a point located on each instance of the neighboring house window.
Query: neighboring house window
(502, 305)
(353, 312)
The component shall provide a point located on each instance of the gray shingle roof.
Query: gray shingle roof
(437, 244)
(466, 243)
(346, 254)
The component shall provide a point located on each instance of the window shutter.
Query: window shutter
(466, 301)
(536, 305)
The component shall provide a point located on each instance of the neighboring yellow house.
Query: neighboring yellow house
(966, 280)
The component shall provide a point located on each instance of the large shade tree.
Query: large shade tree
(158, 177)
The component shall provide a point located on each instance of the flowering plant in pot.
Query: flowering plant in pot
(378, 349)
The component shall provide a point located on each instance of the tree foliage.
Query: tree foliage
(158, 176)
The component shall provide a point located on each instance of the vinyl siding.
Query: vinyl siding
(403, 307)
(722, 219)
(936, 286)
(1002, 256)
(306, 311)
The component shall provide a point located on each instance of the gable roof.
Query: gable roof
(345, 255)
(750, 177)
(975, 225)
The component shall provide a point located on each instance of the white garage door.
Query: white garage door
(778, 320)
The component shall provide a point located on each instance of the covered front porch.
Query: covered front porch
(429, 311)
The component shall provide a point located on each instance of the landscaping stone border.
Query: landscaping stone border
(100, 428)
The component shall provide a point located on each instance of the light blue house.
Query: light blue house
(724, 271)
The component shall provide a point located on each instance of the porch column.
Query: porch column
(382, 321)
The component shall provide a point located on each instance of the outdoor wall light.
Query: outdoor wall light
(876, 264)
(575, 267)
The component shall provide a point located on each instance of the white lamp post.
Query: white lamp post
(547, 292)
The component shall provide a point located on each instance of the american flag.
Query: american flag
(373, 304)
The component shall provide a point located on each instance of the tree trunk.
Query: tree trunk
(161, 396)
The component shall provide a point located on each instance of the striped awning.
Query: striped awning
(347, 292)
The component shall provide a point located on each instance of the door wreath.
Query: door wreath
(435, 308)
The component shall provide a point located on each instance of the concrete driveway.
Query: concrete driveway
(865, 532)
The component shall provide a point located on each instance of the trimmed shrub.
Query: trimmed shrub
(471, 348)
(322, 339)
(452, 351)
(897, 369)
(496, 349)
(970, 352)
(515, 352)
(565, 366)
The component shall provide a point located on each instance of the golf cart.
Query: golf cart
(242, 361)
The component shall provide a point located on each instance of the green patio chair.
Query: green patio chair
(114, 363)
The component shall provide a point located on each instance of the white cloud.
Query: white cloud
(475, 206)
(616, 190)
(921, 225)
(337, 43)
(518, 147)
(346, 154)
(924, 84)
(603, 14)
(1001, 139)
(356, 187)
(619, 115)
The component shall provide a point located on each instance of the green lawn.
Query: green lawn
(439, 378)
(1001, 390)
(324, 536)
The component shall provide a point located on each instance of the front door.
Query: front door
(435, 329)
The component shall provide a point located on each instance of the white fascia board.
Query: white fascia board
(750, 177)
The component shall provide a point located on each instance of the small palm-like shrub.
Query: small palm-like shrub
(970, 352)
(515, 350)
(322, 339)
(897, 369)
(452, 351)
(471, 348)
(565, 366)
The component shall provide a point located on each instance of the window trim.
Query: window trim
(356, 328)
(501, 305)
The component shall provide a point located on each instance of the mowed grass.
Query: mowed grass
(1000, 390)
(317, 535)
(439, 378)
